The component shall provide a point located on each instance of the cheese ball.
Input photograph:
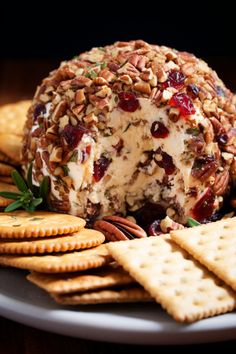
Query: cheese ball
(132, 123)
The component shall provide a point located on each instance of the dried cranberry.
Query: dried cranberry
(100, 167)
(205, 206)
(166, 162)
(222, 139)
(128, 101)
(73, 135)
(204, 167)
(159, 130)
(183, 102)
(38, 110)
(175, 79)
(193, 90)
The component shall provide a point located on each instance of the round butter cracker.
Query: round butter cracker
(21, 224)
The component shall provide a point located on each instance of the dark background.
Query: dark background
(53, 31)
(61, 31)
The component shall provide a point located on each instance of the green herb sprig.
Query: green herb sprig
(29, 196)
(192, 222)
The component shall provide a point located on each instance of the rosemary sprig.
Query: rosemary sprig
(29, 196)
(192, 222)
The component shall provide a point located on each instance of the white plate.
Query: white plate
(138, 324)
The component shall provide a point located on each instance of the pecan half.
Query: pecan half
(116, 228)
(221, 182)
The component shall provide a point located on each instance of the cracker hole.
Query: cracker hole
(178, 293)
(183, 280)
(220, 298)
(221, 237)
(220, 248)
(165, 271)
(201, 290)
(201, 243)
(203, 232)
(187, 269)
(151, 254)
(226, 227)
(217, 259)
(167, 261)
(196, 303)
(143, 265)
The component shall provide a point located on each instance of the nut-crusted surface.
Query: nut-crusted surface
(86, 114)
(20, 224)
(214, 246)
(82, 239)
(184, 288)
(135, 294)
(68, 262)
(116, 228)
(79, 282)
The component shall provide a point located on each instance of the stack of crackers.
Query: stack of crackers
(66, 259)
(12, 119)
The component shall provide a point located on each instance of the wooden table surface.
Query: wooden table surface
(18, 80)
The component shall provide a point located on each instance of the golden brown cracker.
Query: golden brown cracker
(5, 169)
(213, 245)
(5, 187)
(13, 117)
(187, 291)
(79, 282)
(11, 146)
(82, 239)
(6, 159)
(6, 179)
(60, 263)
(21, 224)
(131, 294)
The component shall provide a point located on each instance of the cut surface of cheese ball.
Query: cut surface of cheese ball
(131, 123)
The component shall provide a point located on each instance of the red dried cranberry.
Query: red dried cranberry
(193, 91)
(183, 102)
(166, 162)
(38, 110)
(154, 229)
(85, 153)
(100, 167)
(159, 130)
(204, 208)
(128, 101)
(73, 135)
(175, 79)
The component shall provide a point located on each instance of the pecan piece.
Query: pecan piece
(204, 167)
(221, 183)
(116, 228)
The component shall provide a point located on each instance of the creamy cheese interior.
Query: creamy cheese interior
(124, 183)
